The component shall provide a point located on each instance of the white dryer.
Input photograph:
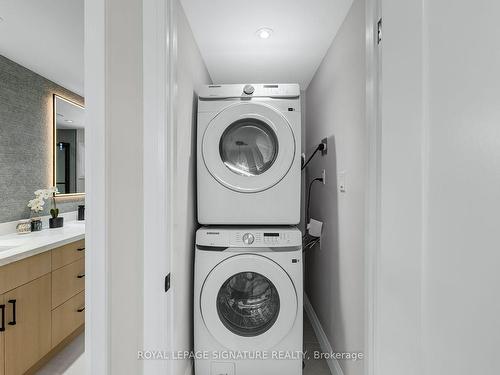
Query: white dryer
(248, 301)
(248, 156)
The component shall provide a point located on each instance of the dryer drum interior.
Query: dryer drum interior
(248, 147)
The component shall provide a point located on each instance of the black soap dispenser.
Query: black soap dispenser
(81, 212)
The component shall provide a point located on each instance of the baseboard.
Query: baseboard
(189, 368)
(324, 343)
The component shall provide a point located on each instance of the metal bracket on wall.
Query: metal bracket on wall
(379, 31)
(167, 283)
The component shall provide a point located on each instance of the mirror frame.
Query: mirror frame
(54, 140)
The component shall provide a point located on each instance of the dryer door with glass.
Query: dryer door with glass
(248, 147)
(248, 302)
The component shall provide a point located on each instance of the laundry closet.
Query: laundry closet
(305, 63)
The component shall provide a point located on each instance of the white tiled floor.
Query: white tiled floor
(69, 361)
(77, 368)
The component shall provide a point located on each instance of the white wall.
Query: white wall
(191, 73)
(438, 268)
(114, 238)
(461, 259)
(397, 323)
(124, 160)
(336, 109)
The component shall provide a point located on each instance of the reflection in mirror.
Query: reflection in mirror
(69, 146)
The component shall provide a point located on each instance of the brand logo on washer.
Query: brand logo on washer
(216, 233)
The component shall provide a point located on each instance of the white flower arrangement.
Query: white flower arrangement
(36, 204)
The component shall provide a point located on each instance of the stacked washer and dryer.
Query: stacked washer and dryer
(248, 261)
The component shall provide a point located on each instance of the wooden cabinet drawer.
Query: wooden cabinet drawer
(67, 254)
(68, 317)
(67, 281)
(23, 271)
(2, 343)
(29, 339)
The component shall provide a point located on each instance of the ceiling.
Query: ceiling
(225, 31)
(45, 36)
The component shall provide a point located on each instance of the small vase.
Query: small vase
(36, 224)
(56, 222)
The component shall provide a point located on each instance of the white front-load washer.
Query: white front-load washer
(248, 154)
(248, 301)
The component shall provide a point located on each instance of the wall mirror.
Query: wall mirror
(69, 146)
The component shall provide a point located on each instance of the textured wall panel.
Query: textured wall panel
(26, 139)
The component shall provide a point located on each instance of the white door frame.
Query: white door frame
(159, 46)
(96, 262)
(158, 92)
(159, 49)
(373, 14)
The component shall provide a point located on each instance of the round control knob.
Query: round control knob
(248, 89)
(248, 238)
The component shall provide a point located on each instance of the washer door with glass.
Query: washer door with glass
(248, 302)
(248, 147)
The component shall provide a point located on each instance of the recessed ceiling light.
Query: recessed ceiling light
(70, 121)
(264, 33)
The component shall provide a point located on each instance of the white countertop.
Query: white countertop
(14, 247)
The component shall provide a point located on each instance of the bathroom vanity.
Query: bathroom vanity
(42, 295)
(42, 273)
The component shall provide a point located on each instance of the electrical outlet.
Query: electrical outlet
(323, 176)
(325, 150)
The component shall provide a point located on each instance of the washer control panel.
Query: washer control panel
(268, 238)
(249, 237)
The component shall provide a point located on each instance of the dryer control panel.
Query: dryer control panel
(249, 90)
(249, 237)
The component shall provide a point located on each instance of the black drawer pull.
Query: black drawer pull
(80, 275)
(81, 309)
(80, 249)
(13, 322)
(2, 328)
